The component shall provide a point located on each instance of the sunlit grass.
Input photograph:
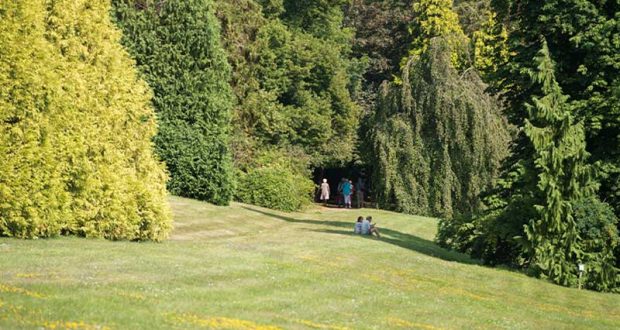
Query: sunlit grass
(244, 267)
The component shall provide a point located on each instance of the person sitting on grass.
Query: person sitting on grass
(358, 225)
(372, 227)
(365, 227)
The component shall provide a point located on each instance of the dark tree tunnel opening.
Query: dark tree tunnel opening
(358, 175)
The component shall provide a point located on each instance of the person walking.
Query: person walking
(339, 196)
(347, 189)
(324, 192)
(359, 192)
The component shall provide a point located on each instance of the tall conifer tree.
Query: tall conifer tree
(563, 176)
(583, 40)
(75, 127)
(177, 47)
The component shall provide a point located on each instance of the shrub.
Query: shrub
(492, 237)
(487, 236)
(597, 225)
(276, 180)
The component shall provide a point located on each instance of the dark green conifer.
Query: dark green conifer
(177, 48)
(582, 37)
(563, 176)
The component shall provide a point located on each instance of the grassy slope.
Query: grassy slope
(243, 267)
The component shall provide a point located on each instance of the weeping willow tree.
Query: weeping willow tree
(437, 138)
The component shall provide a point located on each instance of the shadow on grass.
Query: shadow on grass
(390, 236)
(340, 224)
(337, 206)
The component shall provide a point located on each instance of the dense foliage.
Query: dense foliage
(565, 111)
(294, 82)
(436, 137)
(276, 180)
(584, 40)
(556, 177)
(473, 14)
(434, 18)
(177, 48)
(292, 76)
(600, 243)
(381, 37)
(75, 128)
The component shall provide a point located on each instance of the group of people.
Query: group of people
(366, 227)
(346, 189)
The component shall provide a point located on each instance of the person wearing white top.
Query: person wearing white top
(324, 191)
(373, 228)
(358, 225)
(365, 227)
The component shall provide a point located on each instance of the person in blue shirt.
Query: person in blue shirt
(347, 190)
(340, 197)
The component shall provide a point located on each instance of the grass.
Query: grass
(245, 267)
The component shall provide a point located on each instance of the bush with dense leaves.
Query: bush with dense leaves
(276, 180)
(597, 223)
(75, 128)
(490, 235)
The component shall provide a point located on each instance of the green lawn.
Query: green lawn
(244, 267)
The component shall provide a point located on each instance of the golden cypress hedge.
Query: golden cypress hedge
(76, 125)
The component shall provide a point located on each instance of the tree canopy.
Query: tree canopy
(294, 78)
(437, 139)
